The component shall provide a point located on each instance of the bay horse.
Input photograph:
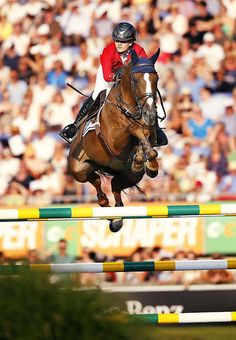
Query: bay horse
(120, 145)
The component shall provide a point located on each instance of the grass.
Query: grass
(199, 332)
(33, 309)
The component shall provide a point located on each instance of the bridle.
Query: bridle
(146, 95)
(134, 113)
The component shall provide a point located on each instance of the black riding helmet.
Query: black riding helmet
(124, 32)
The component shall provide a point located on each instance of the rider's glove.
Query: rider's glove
(118, 74)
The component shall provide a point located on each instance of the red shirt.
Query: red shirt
(111, 60)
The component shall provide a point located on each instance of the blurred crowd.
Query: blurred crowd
(185, 278)
(47, 43)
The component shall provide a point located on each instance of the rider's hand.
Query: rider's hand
(118, 74)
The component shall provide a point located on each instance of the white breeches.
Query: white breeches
(101, 84)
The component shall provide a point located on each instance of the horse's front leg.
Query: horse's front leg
(138, 160)
(142, 134)
(151, 164)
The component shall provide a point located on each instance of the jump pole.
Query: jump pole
(197, 317)
(151, 211)
(103, 267)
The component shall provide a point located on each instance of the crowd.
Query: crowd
(45, 44)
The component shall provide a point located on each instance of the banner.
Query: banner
(16, 238)
(175, 299)
(220, 235)
(204, 235)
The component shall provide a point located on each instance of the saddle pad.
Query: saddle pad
(89, 126)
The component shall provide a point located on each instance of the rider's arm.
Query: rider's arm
(106, 62)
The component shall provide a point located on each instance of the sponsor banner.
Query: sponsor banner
(220, 235)
(200, 234)
(171, 234)
(16, 238)
(178, 301)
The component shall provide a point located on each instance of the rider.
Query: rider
(113, 57)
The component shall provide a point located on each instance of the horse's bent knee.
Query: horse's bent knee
(80, 174)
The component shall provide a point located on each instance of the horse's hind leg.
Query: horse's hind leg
(82, 172)
(95, 180)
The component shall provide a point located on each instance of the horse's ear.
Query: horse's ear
(155, 56)
(134, 57)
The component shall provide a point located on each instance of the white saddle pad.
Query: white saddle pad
(89, 126)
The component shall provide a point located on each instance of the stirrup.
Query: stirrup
(67, 139)
(67, 134)
(161, 137)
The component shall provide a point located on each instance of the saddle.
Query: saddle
(95, 108)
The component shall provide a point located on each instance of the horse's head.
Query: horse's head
(144, 84)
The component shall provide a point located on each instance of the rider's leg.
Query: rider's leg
(100, 85)
(161, 136)
(70, 130)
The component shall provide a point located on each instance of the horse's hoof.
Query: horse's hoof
(151, 155)
(137, 169)
(103, 200)
(138, 163)
(151, 173)
(115, 225)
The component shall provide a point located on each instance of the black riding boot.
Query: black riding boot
(161, 136)
(70, 130)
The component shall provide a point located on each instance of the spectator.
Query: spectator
(212, 53)
(62, 255)
(194, 83)
(57, 77)
(178, 21)
(228, 182)
(210, 105)
(5, 28)
(16, 88)
(229, 121)
(199, 127)
(135, 277)
(43, 144)
(33, 257)
(3, 260)
(10, 57)
(87, 278)
(58, 113)
(203, 19)
(217, 161)
(42, 92)
(19, 39)
(217, 276)
(166, 277)
(191, 276)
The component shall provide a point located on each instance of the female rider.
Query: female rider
(114, 56)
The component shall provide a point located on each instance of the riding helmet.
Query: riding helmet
(124, 32)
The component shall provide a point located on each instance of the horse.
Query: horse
(120, 144)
